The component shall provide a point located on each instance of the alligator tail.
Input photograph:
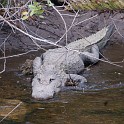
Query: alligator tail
(102, 43)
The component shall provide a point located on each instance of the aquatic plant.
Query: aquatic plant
(34, 8)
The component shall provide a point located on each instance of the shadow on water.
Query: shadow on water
(102, 101)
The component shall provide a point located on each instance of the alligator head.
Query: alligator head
(45, 85)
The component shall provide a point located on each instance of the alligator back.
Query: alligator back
(100, 38)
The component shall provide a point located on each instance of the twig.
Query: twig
(86, 20)
(74, 25)
(43, 40)
(116, 28)
(63, 21)
(97, 58)
(30, 37)
(26, 28)
(6, 57)
(11, 112)
(68, 28)
(4, 52)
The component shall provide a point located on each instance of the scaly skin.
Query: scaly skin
(56, 66)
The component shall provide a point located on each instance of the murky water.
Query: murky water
(101, 102)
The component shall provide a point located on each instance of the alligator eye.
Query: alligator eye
(51, 79)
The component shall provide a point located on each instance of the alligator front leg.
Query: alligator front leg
(75, 80)
(37, 62)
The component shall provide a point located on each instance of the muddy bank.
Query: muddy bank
(52, 28)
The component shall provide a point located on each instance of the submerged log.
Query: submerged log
(96, 4)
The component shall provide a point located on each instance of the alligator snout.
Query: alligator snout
(42, 93)
(45, 89)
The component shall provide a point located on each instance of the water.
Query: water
(101, 102)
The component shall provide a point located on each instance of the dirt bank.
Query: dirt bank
(52, 28)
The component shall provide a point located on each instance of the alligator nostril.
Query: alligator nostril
(39, 79)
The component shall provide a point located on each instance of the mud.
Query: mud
(52, 28)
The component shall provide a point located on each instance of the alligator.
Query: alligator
(57, 66)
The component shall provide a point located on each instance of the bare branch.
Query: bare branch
(11, 112)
